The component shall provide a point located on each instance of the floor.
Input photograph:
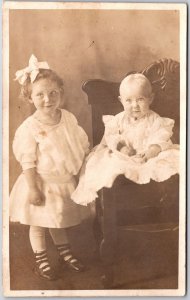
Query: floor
(144, 261)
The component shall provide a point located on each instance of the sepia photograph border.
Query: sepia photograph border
(182, 8)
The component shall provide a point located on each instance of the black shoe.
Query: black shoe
(73, 264)
(48, 275)
(42, 268)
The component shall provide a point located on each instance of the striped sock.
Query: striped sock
(65, 251)
(42, 261)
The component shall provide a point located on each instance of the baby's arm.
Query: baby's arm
(112, 138)
(125, 148)
(153, 151)
(161, 133)
(117, 142)
(159, 139)
(36, 197)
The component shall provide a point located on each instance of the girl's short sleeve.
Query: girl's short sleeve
(81, 134)
(25, 146)
(84, 139)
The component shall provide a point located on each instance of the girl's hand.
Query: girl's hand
(34, 181)
(35, 196)
(152, 151)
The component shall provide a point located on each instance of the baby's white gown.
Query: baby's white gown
(57, 152)
(105, 163)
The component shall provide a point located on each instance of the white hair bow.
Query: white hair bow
(32, 70)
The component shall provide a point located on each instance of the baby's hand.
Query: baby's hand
(127, 150)
(152, 151)
(139, 158)
(36, 197)
(124, 150)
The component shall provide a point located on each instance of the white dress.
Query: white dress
(57, 152)
(105, 162)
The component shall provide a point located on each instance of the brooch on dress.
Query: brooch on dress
(43, 133)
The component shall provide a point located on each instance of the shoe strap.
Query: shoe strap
(72, 260)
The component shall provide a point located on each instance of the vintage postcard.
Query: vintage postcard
(94, 149)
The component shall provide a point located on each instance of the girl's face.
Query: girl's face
(46, 96)
(136, 101)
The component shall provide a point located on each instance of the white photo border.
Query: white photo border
(182, 8)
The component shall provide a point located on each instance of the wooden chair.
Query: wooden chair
(152, 207)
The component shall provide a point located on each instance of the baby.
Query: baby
(136, 96)
(136, 143)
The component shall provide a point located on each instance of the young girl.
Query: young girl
(50, 146)
(136, 143)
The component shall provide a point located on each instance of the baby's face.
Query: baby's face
(45, 95)
(136, 100)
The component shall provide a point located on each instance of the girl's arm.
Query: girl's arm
(24, 148)
(36, 197)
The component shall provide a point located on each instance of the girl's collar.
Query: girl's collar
(46, 124)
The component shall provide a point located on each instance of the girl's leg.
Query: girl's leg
(59, 236)
(37, 240)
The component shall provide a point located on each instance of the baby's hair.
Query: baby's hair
(138, 78)
(26, 89)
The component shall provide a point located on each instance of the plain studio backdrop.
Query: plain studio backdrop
(85, 44)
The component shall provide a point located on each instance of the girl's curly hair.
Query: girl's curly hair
(26, 89)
